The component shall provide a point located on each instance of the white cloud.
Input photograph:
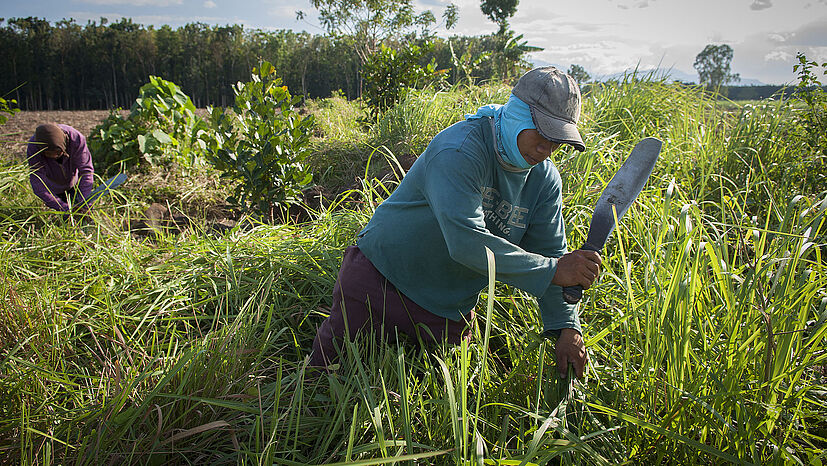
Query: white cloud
(209, 4)
(626, 5)
(811, 34)
(770, 55)
(758, 5)
(778, 55)
(603, 57)
(818, 54)
(161, 3)
(427, 4)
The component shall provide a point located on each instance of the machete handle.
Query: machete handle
(573, 294)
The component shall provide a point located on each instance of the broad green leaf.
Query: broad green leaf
(162, 137)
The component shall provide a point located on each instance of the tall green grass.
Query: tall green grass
(344, 148)
(706, 330)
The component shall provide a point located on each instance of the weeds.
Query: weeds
(706, 331)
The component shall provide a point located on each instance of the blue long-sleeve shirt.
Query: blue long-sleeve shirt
(428, 238)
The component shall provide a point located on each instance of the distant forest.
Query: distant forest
(102, 65)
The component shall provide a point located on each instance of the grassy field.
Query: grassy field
(706, 330)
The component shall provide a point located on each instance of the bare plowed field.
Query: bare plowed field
(20, 127)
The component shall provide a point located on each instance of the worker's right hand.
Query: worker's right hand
(579, 267)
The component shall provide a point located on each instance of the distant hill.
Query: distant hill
(751, 82)
(678, 75)
(672, 73)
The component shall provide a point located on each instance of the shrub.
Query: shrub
(812, 122)
(337, 118)
(159, 130)
(261, 142)
(389, 73)
(6, 108)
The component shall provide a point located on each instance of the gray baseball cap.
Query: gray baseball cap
(554, 99)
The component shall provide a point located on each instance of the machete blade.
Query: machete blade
(618, 195)
(105, 187)
(622, 190)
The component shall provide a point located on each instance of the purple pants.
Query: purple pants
(369, 302)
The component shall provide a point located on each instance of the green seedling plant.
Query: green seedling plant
(810, 123)
(811, 92)
(262, 143)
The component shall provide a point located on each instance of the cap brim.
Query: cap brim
(557, 130)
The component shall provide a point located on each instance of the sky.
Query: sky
(603, 36)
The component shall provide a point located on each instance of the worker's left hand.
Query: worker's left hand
(570, 349)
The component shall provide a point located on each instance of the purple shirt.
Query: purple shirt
(51, 177)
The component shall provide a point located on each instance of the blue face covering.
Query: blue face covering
(509, 120)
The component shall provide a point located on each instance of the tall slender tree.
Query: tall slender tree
(499, 11)
(579, 73)
(713, 67)
(372, 22)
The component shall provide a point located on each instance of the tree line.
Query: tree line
(102, 64)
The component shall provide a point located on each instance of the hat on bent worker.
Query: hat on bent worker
(554, 100)
(51, 136)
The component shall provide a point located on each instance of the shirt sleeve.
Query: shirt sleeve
(36, 180)
(546, 235)
(82, 161)
(453, 189)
